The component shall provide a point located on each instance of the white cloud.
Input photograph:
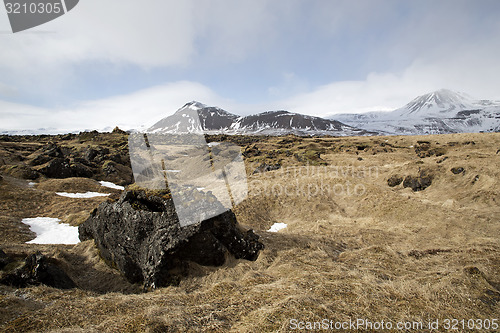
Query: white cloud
(113, 30)
(143, 107)
(471, 68)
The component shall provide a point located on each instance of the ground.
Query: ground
(354, 248)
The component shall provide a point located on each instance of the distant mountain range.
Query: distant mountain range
(439, 112)
(195, 117)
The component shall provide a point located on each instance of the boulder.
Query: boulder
(38, 269)
(140, 234)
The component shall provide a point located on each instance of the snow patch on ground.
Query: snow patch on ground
(49, 231)
(111, 185)
(277, 227)
(82, 195)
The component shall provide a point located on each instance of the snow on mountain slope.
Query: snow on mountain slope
(195, 117)
(439, 112)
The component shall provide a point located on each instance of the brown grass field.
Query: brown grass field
(354, 249)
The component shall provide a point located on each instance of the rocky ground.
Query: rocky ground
(402, 229)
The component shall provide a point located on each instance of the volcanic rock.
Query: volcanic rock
(140, 234)
(264, 167)
(394, 180)
(63, 168)
(457, 170)
(38, 269)
(419, 182)
(4, 259)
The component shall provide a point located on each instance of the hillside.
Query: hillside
(403, 229)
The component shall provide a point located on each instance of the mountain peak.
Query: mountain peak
(194, 105)
(195, 117)
(438, 102)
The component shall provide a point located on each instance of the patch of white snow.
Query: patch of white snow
(111, 185)
(49, 231)
(82, 195)
(277, 227)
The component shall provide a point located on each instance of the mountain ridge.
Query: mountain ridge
(440, 112)
(196, 117)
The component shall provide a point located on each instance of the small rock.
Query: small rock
(442, 160)
(457, 170)
(394, 180)
(264, 167)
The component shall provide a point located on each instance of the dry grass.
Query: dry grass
(387, 254)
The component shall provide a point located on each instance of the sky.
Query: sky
(130, 63)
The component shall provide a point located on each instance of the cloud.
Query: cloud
(141, 108)
(476, 74)
(112, 30)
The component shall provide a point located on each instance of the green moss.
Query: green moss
(162, 193)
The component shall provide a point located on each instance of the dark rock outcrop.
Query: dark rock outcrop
(394, 180)
(47, 153)
(140, 234)
(424, 149)
(63, 168)
(419, 182)
(251, 151)
(4, 259)
(264, 167)
(38, 269)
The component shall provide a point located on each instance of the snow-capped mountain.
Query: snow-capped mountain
(195, 117)
(440, 112)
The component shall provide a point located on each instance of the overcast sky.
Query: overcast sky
(131, 63)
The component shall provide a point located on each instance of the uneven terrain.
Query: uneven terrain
(400, 229)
